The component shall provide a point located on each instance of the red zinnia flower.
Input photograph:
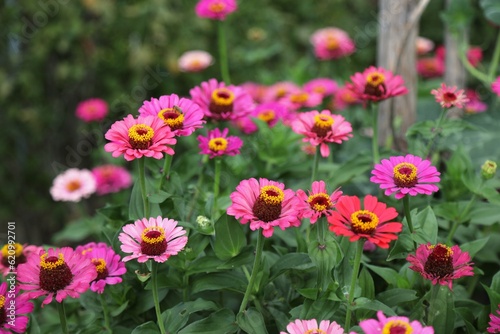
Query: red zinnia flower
(376, 84)
(449, 97)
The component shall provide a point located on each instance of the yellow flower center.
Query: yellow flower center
(319, 89)
(397, 327)
(173, 117)
(364, 221)
(266, 116)
(217, 7)
(153, 241)
(299, 97)
(222, 97)
(100, 265)
(348, 97)
(85, 251)
(2, 301)
(272, 195)
(375, 79)
(18, 249)
(315, 331)
(320, 202)
(322, 125)
(267, 207)
(55, 274)
(405, 175)
(140, 136)
(52, 262)
(217, 144)
(195, 64)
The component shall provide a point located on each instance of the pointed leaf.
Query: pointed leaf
(229, 237)
(220, 322)
(251, 321)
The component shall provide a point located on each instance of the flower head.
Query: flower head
(215, 9)
(440, 264)
(397, 324)
(430, 67)
(331, 43)
(153, 238)
(107, 264)
(372, 222)
(318, 203)
(343, 98)
(311, 327)
(269, 112)
(449, 97)
(145, 136)
(494, 322)
(58, 272)
(475, 105)
(495, 86)
(92, 110)
(18, 319)
(111, 179)
(376, 84)
(73, 185)
(181, 115)
(297, 99)
(194, 61)
(488, 169)
(406, 175)
(322, 86)
(217, 143)
(20, 254)
(424, 45)
(265, 204)
(322, 128)
(279, 90)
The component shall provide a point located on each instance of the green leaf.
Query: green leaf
(229, 237)
(79, 230)
(251, 321)
(474, 246)
(290, 261)
(205, 264)
(402, 247)
(117, 311)
(176, 317)
(147, 328)
(491, 9)
(220, 322)
(136, 205)
(366, 284)
(159, 196)
(426, 227)
(394, 297)
(389, 275)
(218, 281)
(358, 165)
(363, 303)
(441, 314)
(485, 214)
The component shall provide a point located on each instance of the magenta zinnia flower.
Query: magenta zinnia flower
(297, 99)
(181, 115)
(73, 185)
(153, 238)
(194, 61)
(322, 128)
(220, 102)
(217, 143)
(318, 203)
(215, 9)
(111, 179)
(21, 254)
(494, 322)
(322, 86)
(430, 67)
(279, 90)
(406, 175)
(372, 222)
(395, 324)
(343, 98)
(92, 110)
(269, 112)
(311, 327)
(331, 43)
(13, 310)
(449, 97)
(376, 84)
(59, 272)
(145, 136)
(441, 264)
(495, 86)
(265, 204)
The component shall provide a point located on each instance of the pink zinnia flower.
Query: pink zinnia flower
(145, 136)
(20, 253)
(449, 97)
(255, 90)
(297, 99)
(495, 86)
(475, 105)
(430, 67)
(153, 238)
(318, 203)
(343, 98)
(331, 43)
(494, 322)
(395, 324)
(406, 175)
(18, 319)
(92, 110)
(372, 222)
(107, 263)
(279, 90)
(322, 86)
(111, 179)
(376, 84)
(194, 61)
(265, 204)
(73, 185)
(59, 272)
(217, 144)
(269, 112)
(424, 45)
(441, 264)
(181, 115)
(220, 102)
(475, 55)
(322, 128)
(215, 9)
(311, 327)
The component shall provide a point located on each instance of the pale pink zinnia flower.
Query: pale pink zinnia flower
(145, 136)
(395, 324)
(107, 263)
(331, 43)
(217, 143)
(58, 272)
(494, 324)
(311, 327)
(406, 175)
(16, 306)
(430, 67)
(322, 128)
(194, 61)
(376, 84)
(424, 45)
(92, 110)
(495, 86)
(265, 204)
(153, 238)
(215, 9)
(73, 185)
(318, 203)
(181, 115)
(322, 86)
(111, 179)
(449, 97)
(20, 254)
(221, 102)
(441, 264)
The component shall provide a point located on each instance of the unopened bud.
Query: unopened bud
(488, 169)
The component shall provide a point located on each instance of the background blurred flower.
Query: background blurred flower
(194, 61)
(217, 143)
(215, 9)
(449, 97)
(92, 110)
(376, 84)
(495, 86)
(111, 179)
(395, 324)
(322, 86)
(430, 67)
(331, 43)
(73, 185)
(318, 203)
(343, 98)
(494, 324)
(311, 327)
(17, 319)
(21, 254)
(269, 112)
(424, 45)
(279, 90)
(299, 98)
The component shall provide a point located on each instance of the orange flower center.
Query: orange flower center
(54, 273)
(153, 241)
(320, 202)
(315, 331)
(73, 185)
(299, 98)
(397, 327)
(2, 302)
(405, 175)
(319, 89)
(332, 43)
(440, 261)
(217, 7)
(267, 207)
(217, 144)
(364, 221)
(173, 117)
(266, 115)
(375, 79)
(140, 136)
(101, 267)
(18, 254)
(221, 101)
(322, 125)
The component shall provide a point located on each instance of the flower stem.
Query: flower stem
(315, 164)
(224, 66)
(406, 206)
(62, 317)
(376, 155)
(218, 164)
(255, 270)
(154, 281)
(142, 180)
(454, 227)
(438, 127)
(105, 311)
(495, 59)
(166, 169)
(355, 272)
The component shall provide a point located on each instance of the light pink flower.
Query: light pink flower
(475, 105)
(73, 185)
(406, 175)
(331, 43)
(299, 98)
(215, 9)
(217, 143)
(495, 86)
(145, 136)
(92, 110)
(265, 204)
(279, 90)
(376, 84)
(58, 272)
(181, 115)
(311, 327)
(18, 315)
(430, 67)
(255, 90)
(322, 128)
(20, 253)
(194, 61)
(449, 97)
(441, 264)
(395, 324)
(111, 179)
(322, 86)
(424, 45)
(153, 238)
(494, 324)
(318, 203)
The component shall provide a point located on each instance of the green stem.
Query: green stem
(471, 69)
(454, 227)
(437, 130)
(106, 313)
(142, 180)
(376, 155)
(354, 278)
(166, 169)
(218, 164)
(255, 270)
(224, 66)
(185, 291)
(197, 191)
(62, 317)
(315, 164)
(154, 281)
(495, 59)
(406, 206)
